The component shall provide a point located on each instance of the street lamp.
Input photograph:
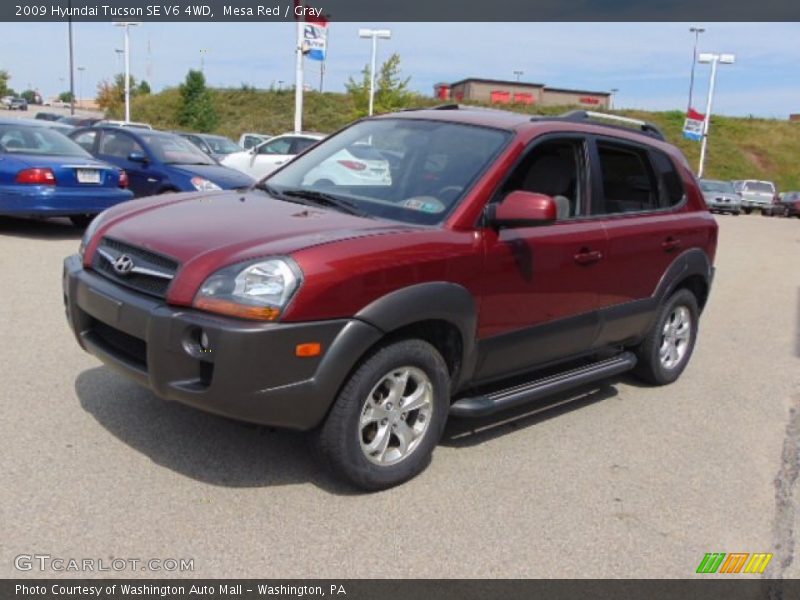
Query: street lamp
(127, 25)
(714, 59)
(518, 74)
(203, 52)
(613, 95)
(80, 85)
(696, 31)
(383, 34)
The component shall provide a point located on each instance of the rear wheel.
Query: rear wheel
(747, 211)
(81, 221)
(667, 348)
(786, 212)
(389, 416)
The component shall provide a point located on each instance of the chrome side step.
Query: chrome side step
(478, 406)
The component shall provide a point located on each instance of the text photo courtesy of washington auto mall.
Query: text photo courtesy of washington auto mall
(370, 299)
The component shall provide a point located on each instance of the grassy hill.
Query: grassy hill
(739, 148)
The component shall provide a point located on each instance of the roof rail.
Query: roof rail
(579, 116)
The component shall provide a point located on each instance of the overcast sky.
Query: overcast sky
(648, 62)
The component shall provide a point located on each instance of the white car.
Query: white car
(358, 164)
(249, 140)
(131, 124)
(263, 159)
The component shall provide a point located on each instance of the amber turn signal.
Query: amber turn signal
(308, 350)
(233, 309)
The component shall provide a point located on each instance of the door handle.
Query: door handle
(586, 256)
(671, 244)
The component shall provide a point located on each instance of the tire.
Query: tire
(654, 369)
(786, 212)
(350, 438)
(747, 211)
(81, 221)
(736, 214)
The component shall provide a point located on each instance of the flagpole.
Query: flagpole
(298, 83)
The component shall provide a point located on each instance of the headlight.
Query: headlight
(258, 290)
(201, 184)
(89, 232)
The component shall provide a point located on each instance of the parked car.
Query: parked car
(250, 140)
(268, 156)
(17, 103)
(756, 194)
(216, 146)
(721, 196)
(358, 164)
(503, 246)
(786, 205)
(47, 116)
(45, 174)
(158, 161)
(130, 124)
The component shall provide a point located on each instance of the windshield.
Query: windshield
(22, 139)
(759, 186)
(722, 187)
(174, 150)
(414, 171)
(220, 144)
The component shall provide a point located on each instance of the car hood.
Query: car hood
(205, 232)
(224, 177)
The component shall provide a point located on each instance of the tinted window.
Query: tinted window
(301, 144)
(175, 150)
(628, 182)
(86, 140)
(119, 145)
(670, 184)
(279, 146)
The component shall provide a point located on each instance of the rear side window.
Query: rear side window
(628, 181)
(670, 184)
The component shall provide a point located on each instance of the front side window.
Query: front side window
(119, 145)
(409, 170)
(627, 178)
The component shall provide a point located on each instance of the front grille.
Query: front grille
(121, 344)
(110, 249)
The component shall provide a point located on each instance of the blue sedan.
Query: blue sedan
(45, 174)
(158, 162)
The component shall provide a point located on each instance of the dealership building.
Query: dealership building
(496, 91)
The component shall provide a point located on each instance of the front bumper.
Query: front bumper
(249, 370)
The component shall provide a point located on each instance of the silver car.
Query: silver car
(721, 196)
(756, 194)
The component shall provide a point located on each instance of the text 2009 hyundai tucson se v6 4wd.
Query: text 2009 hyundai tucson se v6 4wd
(554, 251)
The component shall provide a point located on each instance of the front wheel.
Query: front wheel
(667, 348)
(388, 418)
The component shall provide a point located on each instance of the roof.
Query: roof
(568, 91)
(498, 81)
(470, 115)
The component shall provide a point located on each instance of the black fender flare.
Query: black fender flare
(693, 261)
(435, 300)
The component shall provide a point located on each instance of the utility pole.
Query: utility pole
(714, 59)
(71, 64)
(696, 31)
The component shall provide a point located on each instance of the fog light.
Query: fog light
(196, 343)
(204, 345)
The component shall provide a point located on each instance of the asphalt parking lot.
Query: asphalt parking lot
(624, 481)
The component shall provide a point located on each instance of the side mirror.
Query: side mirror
(137, 157)
(522, 209)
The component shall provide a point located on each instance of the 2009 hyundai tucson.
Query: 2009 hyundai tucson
(500, 246)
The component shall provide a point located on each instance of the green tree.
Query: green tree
(391, 90)
(111, 95)
(143, 88)
(30, 96)
(196, 111)
(66, 96)
(4, 77)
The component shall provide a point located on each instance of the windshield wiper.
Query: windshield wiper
(325, 199)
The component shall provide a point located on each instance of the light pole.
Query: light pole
(383, 34)
(696, 31)
(203, 52)
(613, 96)
(518, 74)
(714, 59)
(127, 49)
(80, 85)
(71, 64)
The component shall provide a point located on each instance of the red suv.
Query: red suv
(495, 247)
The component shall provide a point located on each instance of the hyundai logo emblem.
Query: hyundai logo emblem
(123, 264)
